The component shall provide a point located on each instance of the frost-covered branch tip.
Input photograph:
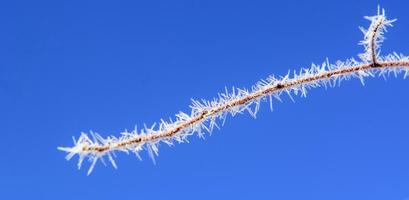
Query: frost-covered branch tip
(206, 115)
(374, 36)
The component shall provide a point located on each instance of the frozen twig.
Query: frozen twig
(373, 36)
(205, 115)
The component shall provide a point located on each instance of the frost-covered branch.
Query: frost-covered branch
(206, 115)
(373, 36)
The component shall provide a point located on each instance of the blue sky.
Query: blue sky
(75, 66)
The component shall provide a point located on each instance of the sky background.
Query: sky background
(73, 66)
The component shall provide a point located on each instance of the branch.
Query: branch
(373, 37)
(206, 114)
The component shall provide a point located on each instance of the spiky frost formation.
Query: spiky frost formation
(206, 115)
(374, 36)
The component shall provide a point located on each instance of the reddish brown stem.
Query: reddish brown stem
(281, 85)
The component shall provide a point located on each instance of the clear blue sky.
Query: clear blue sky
(103, 66)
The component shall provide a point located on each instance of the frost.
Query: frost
(374, 35)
